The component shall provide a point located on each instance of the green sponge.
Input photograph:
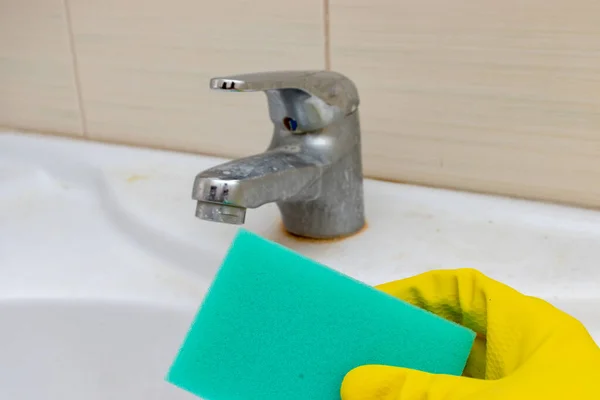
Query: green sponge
(276, 325)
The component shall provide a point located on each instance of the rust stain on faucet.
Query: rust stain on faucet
(304, 239)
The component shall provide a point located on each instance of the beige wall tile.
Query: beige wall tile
(497, 96)
(145, 68)
(37, 82)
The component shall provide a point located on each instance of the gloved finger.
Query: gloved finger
(460, 295)
(379, 382)
(512, 324)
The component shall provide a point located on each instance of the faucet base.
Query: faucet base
(339, 212)
(312, 230)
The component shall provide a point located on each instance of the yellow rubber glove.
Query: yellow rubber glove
(525, 349)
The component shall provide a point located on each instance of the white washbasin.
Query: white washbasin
(64, 350)
(102, 263)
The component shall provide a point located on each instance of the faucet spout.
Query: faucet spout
(276, 175)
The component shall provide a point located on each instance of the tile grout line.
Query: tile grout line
(326, 35)
(77, 77)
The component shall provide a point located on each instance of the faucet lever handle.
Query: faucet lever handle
(333, 88)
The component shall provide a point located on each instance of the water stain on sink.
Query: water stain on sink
(134, 178)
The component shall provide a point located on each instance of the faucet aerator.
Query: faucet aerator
(220, 213)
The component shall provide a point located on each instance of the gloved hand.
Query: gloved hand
(525, 349)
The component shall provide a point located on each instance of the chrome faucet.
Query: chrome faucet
(312, 168)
